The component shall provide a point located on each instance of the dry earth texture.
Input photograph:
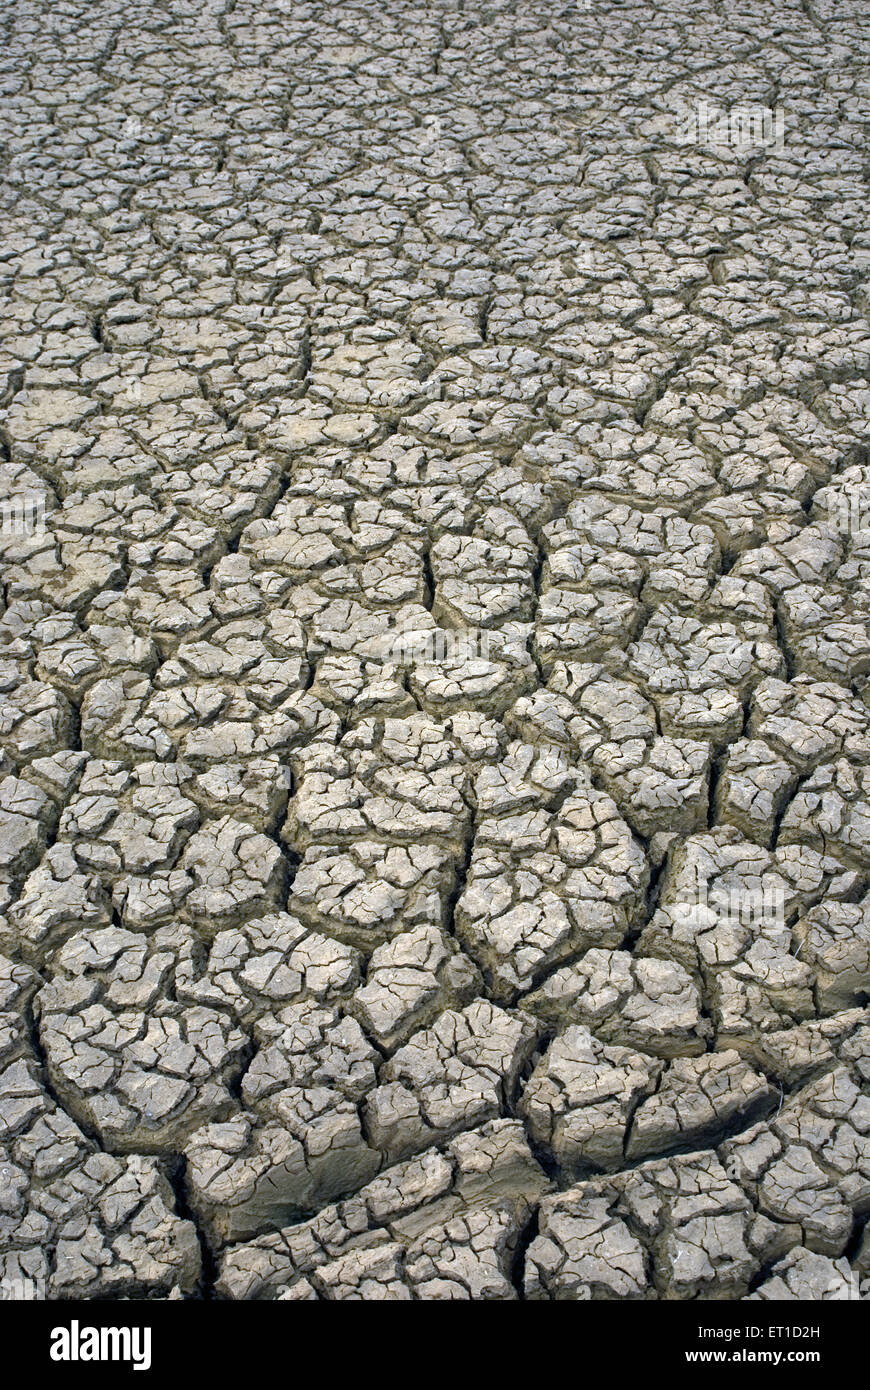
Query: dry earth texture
(434, 650)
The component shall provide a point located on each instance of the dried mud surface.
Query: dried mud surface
(435, 825)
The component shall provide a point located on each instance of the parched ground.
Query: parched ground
(435, 782)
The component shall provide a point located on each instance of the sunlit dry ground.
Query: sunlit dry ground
(435, 646)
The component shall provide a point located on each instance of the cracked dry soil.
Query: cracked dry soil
(438, 638)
